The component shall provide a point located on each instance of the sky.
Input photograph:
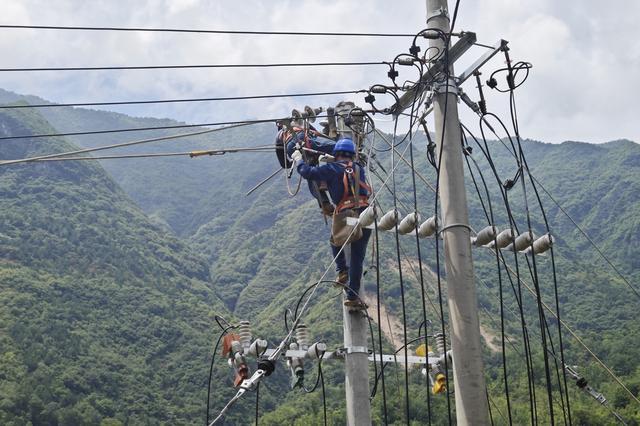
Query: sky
(582, 87)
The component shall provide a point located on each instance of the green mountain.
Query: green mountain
(104, 316)
(187, 220)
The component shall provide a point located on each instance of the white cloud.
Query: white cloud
(582, 85)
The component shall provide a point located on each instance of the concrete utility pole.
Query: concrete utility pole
(468, 370)
(356, 364)
(356, 358)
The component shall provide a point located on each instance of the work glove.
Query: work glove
(296, 156)
(326, 158)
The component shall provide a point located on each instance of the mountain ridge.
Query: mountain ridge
(244, 248)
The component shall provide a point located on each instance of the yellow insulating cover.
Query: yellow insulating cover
(420, 350)
(440, 384)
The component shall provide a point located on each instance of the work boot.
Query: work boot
(342, 279)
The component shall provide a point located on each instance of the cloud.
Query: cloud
(582, 86)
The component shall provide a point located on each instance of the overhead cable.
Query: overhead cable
(281, 346)
(166, 101)
(140, 129)
(206, 31)
(150, 128)
(191, 154)
(119, 145)
(196, 66)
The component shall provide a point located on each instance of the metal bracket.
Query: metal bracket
(357, 350)
(446, 87)
(455, 52)
(498, 47)
(438, 13)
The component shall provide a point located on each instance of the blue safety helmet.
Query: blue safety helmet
(344, 145)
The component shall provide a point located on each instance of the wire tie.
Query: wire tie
(455, 225)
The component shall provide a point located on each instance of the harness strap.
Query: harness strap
(353, 200)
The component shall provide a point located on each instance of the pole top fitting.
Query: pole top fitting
(449, 86)
(441, 12)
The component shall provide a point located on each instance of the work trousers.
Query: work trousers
(358, 252)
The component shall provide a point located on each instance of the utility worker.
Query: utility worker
(288, 140)
(347, 186)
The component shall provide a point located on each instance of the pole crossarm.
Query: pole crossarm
(455, 52)
(498, 47)
(338, 354)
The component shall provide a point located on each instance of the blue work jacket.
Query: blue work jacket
(333, 175)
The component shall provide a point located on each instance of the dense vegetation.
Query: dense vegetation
(110, 279)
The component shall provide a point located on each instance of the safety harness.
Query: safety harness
(351, 198)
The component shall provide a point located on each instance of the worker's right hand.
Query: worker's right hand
(297, 156)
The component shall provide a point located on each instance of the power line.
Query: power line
(205, 31)
(576, 337)
(137, 129)
(578, 227)
(150, 128)
(196, 66)
(277, 353)
(118, 145)
(166, 101)
(191, 154)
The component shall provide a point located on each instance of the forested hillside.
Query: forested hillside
(103, 315)
(111, 277)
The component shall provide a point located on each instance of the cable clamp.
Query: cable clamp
(455, 225)
(446, 87)
(357, 350)
(438, 13)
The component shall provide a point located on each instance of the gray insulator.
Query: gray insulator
(485, 236)
(542, 244)
(523, 241)
(258, 347)
(316, 350)
(302, 336)
(389, 220)
(427, 228)
(367, 216)
(342, 110)
(439, 338)
(310, 113)
(244, 331)
(296, 118)
(504, 238)
(409, 223)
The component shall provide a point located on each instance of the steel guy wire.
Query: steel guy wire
(120, 145)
